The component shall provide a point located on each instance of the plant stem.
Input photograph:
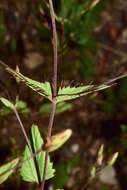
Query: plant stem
(55, 51)
(54, 86)
(51, 120)
(23, 129)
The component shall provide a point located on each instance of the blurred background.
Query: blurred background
(92, 45)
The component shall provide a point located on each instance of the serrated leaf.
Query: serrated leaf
(69, 93)
(57, 140)
(7, 169)
(29, 168)
(7, 103)
(42, 88)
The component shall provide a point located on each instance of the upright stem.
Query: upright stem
(55, 51)
(54, 85)
(51, 120)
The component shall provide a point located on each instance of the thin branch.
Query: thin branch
(51, 120)
(22, 129)
(45, 170)
(54, 86)
(55, 51)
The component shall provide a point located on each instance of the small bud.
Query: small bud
(17, 71)
(93, 3)
(56, 141)
(93, 172)
(113, 159)
(100, 155)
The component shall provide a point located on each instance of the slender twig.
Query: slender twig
(54, 86)
(55, 54)
(22, 129)
(48, 137)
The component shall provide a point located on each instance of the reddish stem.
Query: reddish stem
(54, 86)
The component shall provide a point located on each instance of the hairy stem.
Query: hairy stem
(54, 86)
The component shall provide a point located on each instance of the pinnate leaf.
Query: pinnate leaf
(7, 169)
(29, 167)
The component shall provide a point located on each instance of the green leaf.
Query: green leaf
(42, 88)
(21, 106)
(46, 108)
(29, 167)
(7, 169)
(7, 103)
(69, 93)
